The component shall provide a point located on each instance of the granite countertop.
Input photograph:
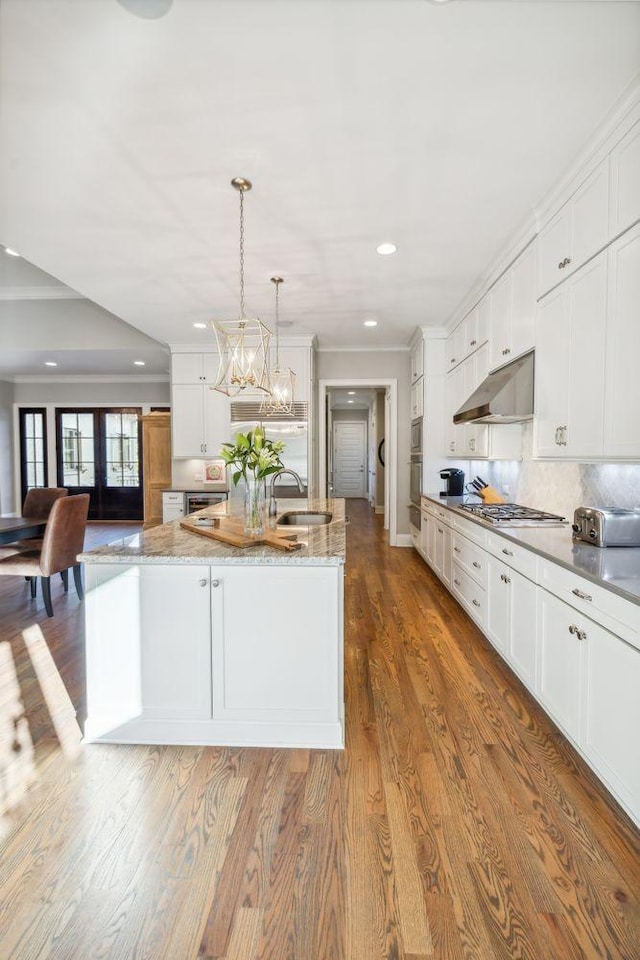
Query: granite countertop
(170, 543)
(615, 568)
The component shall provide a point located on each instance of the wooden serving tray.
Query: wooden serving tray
(232, 532)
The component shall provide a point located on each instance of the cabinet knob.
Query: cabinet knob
(456, 549)
(472, 343)
(475, 603)
(204, 582)
(507, 553)
(215, 583)
(572, 629)
(453, 359)
(457, 582)
(476, 564)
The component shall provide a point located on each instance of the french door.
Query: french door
(99, 453)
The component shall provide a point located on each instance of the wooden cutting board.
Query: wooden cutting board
(232, 532)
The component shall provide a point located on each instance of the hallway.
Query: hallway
(458, 824)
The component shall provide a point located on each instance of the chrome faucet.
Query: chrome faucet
(272, 502)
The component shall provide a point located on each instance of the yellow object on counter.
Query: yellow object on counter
(491, 495)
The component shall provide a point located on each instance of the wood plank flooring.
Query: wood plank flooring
(458, 824)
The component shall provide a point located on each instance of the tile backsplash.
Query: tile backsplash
(561, 487)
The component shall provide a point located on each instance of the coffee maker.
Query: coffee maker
(454, 486)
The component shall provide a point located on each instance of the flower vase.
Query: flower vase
(254, 506)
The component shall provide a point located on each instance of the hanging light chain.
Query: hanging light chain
(242, 255)
(277, 282)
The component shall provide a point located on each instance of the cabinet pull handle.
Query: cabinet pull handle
(507, 579)
(507, 553)
(457, 582)
(476, 564)
(472, 343)
(456, 549)
(215, 583)
(573, 629)
(566, 261)
(204, 582)
(581, 634)
(440, 530)
(581, 594)
(561, 265)
(475, 603)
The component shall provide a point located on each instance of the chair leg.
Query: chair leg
(34, 583)
(64, 576)
(46, 593)
(77, 579)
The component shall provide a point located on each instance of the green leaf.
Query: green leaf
(236, 477)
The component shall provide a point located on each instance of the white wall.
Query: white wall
(7, 494)
(361, 365)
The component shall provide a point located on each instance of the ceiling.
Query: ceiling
(438, 126)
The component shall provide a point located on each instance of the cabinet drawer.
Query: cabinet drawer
(607, 608)
(470, 557)
(515, 556)
(469, 529)
(470, 594)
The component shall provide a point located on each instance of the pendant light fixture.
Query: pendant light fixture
(243, 344)
(282, 381)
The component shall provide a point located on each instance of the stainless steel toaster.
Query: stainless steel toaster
(607, 526)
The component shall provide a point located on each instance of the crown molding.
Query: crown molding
(210, 346)
(40, 293)
(404, 348)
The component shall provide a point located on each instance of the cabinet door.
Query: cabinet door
(454, 388)
(455, 351)
(498, 604)
(482, 321)
(424, 534)
(625, 182)
(217, 421)
(584, 363)
(277, 668)
(175, 648)
(560, 662)
(523, 302)
(446, 556)
(551, 387)
(622, 402)
(210, 367)
(470, 332)
(612, 713)
(554, 247)
(590, 216)
(416, 399)
(417, 361)
(186, 368)
(523, 615)
(431, 542)
(499, 321)
(477, 434)
(187, 420)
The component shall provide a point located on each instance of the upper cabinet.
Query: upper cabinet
(194, 368)
(470, 334)
(625, 183)
(417, 361)
(200, 416)
(577, 232)
(512, 306)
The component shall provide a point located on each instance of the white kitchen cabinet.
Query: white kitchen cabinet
(511, 617)
(201, 420)
(454, 397)
(561, 649)
(442, 552)
(175, 642)
(570, 368)
(577, 232)
(194, 368)
(417, 361)
(625, 183)
(417, 402)
(470, 594)
(622, 382)
(278, 668)
(172, 505)
(512, 302)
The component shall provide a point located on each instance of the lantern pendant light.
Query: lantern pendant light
(243, 344)
(282, 381)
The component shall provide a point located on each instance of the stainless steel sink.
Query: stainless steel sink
(300, 518)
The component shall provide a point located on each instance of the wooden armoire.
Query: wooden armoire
(156, 451)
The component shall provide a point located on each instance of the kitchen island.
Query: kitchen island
(192, 641)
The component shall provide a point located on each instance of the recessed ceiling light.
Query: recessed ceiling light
(12, 253)
(371, 323)
(50, 363)
(385, 249)
(199, 325)
(351, 393)
(138, 363)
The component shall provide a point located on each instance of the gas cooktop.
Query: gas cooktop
(511, 514)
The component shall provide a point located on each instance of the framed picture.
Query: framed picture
(214, 472)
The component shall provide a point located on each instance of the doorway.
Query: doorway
(99, 453)
(349, 457)
(387, 414)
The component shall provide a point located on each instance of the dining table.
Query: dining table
(20, 528)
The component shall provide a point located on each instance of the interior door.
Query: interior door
(349, 457)
(99, 453)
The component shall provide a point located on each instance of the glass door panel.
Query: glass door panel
(33, 449)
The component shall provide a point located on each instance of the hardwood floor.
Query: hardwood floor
(458, 824)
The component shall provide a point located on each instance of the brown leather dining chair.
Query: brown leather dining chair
(62, 542)
(37, 506)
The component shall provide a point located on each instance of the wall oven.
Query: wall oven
(416, 437)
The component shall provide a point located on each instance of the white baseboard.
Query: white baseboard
(404, 540)
(379, 509)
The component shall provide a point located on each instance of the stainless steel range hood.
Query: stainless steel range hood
(505, 396)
